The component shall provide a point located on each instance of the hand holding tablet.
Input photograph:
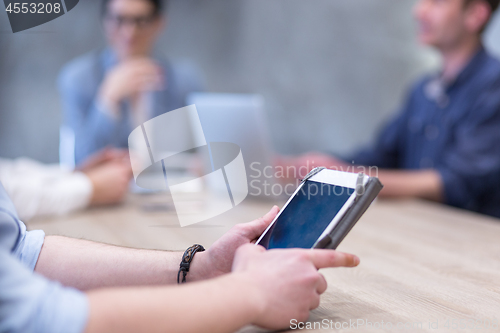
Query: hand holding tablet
(321, 212)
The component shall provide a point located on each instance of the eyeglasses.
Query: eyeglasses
(140, 22)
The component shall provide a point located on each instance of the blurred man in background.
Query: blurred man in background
(106, 94)
(445, 144)
(38, 189)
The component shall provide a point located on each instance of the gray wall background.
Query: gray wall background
(331, 71)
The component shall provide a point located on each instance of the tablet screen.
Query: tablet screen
(306, 216)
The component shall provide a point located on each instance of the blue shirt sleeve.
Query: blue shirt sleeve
(31, 303)
(471, 166)
(29, 246)
(91, 126)
(28, 301)
(385, 152)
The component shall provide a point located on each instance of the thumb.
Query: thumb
(255, 228)
(269, 217)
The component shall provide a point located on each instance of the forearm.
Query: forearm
(87, 265)
(221, 305)
(426, 184)
(43, 189)
(65, 193)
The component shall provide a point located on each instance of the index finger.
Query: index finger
(323, 258)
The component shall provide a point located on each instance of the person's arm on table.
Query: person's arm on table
(109, 172)
(86, 265)
(425, 184)
(266, 288)
(39, 189)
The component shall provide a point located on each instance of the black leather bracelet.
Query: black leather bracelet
(187, 257)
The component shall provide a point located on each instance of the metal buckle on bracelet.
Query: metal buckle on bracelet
(187, 257)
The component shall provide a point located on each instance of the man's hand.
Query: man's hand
(105, 155)
(266, 288)
(286, 283)
(110, 182)
(128, 79)
(218, 259)
(426, 184)
(299, 166)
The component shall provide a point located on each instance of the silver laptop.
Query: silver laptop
(240, 119)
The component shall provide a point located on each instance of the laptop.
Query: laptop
(240, 119)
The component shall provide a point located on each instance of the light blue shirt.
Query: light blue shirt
(28, 301)
(92, 127)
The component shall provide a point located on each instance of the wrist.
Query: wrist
(200, 268)
(211, 265)
(94, 193)
(193, 265)
(247, 289)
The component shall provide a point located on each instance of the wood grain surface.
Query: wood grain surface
(424, 267)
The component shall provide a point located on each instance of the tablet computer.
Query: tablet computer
(322, 210)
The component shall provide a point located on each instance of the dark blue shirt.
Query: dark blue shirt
(454, 129)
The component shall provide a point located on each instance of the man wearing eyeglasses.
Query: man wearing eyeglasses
(106, 94)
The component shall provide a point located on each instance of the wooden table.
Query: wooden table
(424, 267)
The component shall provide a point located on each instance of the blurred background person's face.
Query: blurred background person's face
(131, 27)
(444, 23)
